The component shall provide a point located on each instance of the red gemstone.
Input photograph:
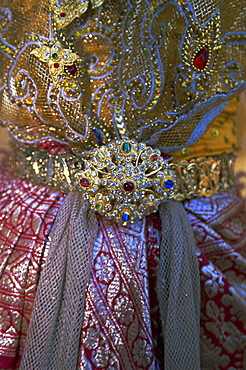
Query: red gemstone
(201, 59)
(154, 157)
(151, 208)
(85, 183)
(63, 15)
(128, 186)
(56, 65)
(72, 69)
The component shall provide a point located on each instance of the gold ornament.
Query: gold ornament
(57, 58)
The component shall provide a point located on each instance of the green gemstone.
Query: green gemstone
(55, 56)
(101, 155)
(99, 206)
(126, 147)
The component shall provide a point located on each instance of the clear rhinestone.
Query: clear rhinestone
(149, 150)
(119, 168)
(140, 185)
(137, 177)
(106, 199)
(104, 182)
(94, 189)
(113, 175)
(142, 208)
(108, 208)
(97, 182)
(93, 173)
(111, 183)
(160, 174)
(119, 157)
(120, 176)
(115, 150)
(117, 185)
(142, 168)
(126, 205)
(144, 201)
(128, 173)
(151, 198)
(144, 156)
(136, 169)
(157, 182)
(159, 190)
(128, 167)
(111, 166)
(128, 160)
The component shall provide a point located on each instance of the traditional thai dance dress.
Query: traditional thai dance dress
(122, 233)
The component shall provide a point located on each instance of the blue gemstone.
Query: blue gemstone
(169, 184)
(125, 217)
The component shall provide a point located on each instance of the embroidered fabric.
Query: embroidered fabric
(128, 78)
(112, 71)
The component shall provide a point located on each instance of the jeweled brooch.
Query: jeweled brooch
(126, 180)
(57, 58)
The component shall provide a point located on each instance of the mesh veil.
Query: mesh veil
(55, 328)
(178, 289)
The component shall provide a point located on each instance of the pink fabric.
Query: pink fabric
(121, 327)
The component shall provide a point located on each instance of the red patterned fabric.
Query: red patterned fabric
(122, 328)
(219, 225)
